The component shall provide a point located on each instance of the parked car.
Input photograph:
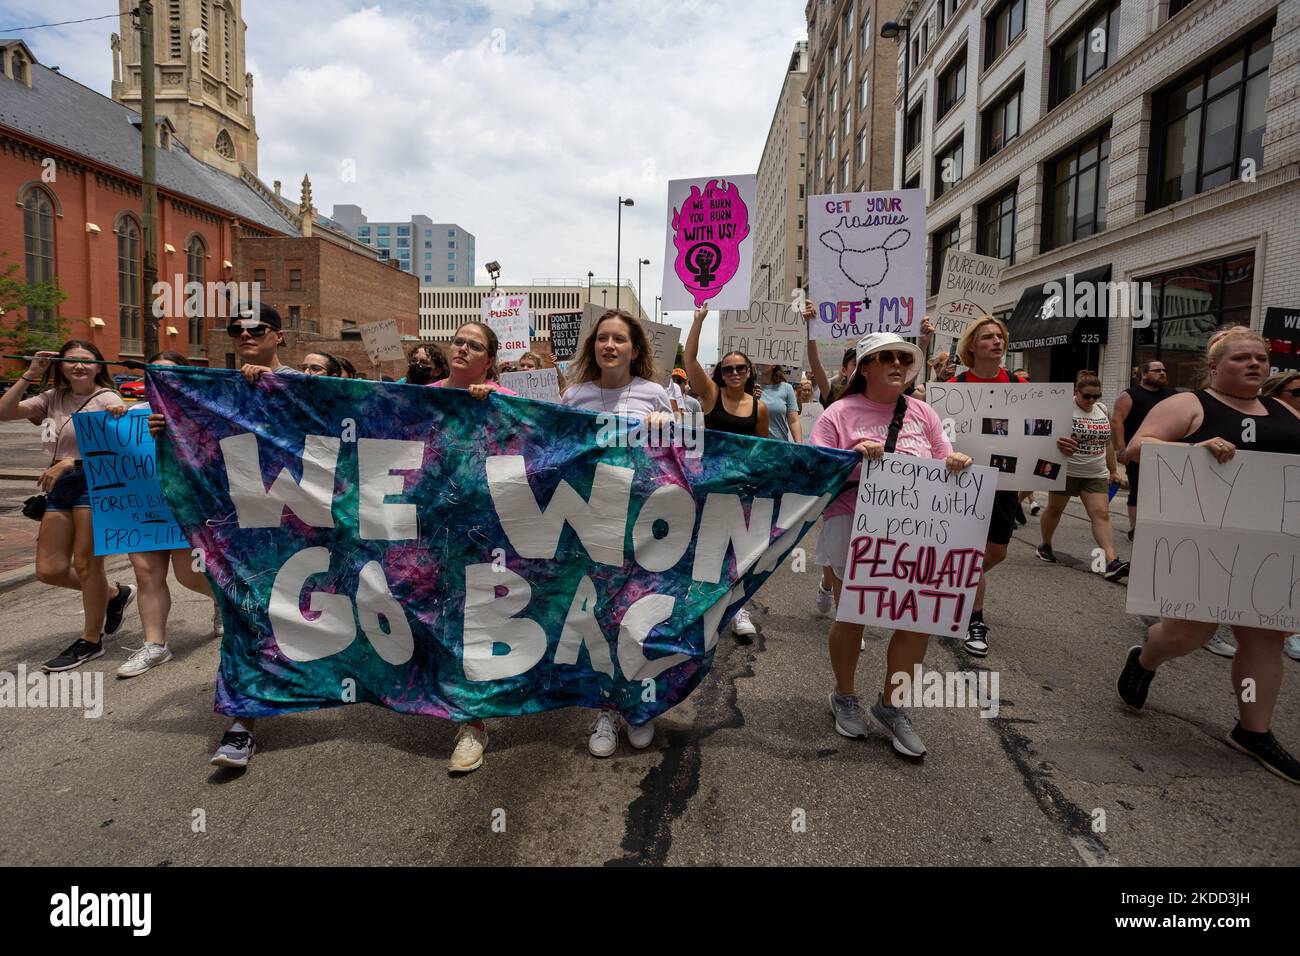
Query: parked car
(132, 388)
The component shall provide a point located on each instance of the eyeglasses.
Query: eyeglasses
(69, 363)
(735, 369)
(889, 357)
(1090, 396)
(235, 330)
(461, 342)
(312, 367)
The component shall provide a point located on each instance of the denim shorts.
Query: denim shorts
(69, 491)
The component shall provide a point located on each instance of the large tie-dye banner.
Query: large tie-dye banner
(425, 551)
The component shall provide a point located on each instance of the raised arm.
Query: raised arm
(705, 390)
(814, 359)
(11, 401)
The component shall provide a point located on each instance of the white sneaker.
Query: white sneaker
(640, 737)
(1035, 509)
(1218, 645)
(1291, 647)
(218, 626)
(151, 655)
(824, 601)
(467, 755)
(604, 734)
(741, 624)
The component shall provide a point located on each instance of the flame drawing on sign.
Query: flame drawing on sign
(707, 231)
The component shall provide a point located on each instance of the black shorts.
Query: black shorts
(1003, 521)
(1131, 469)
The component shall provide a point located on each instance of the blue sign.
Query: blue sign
(126, 501)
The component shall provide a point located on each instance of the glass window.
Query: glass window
(912, 132)
(128, 285)
(952, 85)
(363, 231)
(38, 247)
(295, 279)
(1208, 127)
(862, 147)
(1085, 52)
(864, 35)
(844, 175)
(404, 230)
(948, 166)
(1004, 24)
(381, 231)
(403, 242)
(195, 271)
(1001, 121)
(946, 238)
(864, 91)
(428, 244)
(1076, 207)
(997, 226)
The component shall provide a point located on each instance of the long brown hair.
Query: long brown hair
(54, 374)
(585, 368)
(750, 380)
(493, 343)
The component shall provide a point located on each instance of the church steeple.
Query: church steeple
(201, 84)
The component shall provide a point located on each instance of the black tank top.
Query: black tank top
(1143, 401)
(1278, 431)
(720, 420)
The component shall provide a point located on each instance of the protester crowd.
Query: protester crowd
(873, 405)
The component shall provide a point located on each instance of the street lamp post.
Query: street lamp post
(767, 267)
(589, 277)
(890, 31)
(604, 298)
(618, 253)
(658, 299)
(639, 264)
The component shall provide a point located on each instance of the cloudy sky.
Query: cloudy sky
(521, 120)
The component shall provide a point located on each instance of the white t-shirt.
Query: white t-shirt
(1092, 431)
(639, 397)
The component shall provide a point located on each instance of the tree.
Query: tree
(17, 334)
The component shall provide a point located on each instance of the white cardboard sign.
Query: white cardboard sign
(916, 550)
(968, 289)
(382, 341)
(808, 416)
(663, 339)
(542, 384)
(1217, 542)
(507, 316)
(1010, 427)
(770, 333)
(866, 260)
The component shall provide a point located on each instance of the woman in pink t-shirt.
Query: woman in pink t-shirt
(873, 416)
(474, 364)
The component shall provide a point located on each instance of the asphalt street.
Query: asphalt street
(749, 770)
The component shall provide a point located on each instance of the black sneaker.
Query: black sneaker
(1135, 680)
(1045, 553)
(1020, 514)
(976, 643)
(235, 750)
(1115, 570)
(1265, 748)
(77, 654)
(117, 607)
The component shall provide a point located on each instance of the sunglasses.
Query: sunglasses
(735, 369)
(235, 330)
(1090, 396)
(461, 342)
(421, 365)
(889, 357)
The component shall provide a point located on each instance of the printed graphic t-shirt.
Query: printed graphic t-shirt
(1092, 432)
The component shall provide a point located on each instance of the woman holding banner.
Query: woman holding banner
(473, 364)
(1226, 416)
(65, 543)
(151, 577)
(873, 417)
(614, 373)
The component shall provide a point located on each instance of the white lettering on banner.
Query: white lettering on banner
(298, 638)
(1217, 542)
(581, 628)
(600, 523)
(377, 460)
(310, 499)
(375, 603)
(643, 616)
(674, 506)
(722, 526)
(490, 620)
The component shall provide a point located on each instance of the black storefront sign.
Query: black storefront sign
(1282, 329)
(1072, 311)
(564, 334)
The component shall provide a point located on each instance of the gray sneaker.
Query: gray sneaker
(1220, 645)
(899, 726)
(150, 655)
(850, 721)
(235, 751)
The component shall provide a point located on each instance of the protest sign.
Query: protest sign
(1217, 542)
(382, 341)
(968, 289)
(663, 340)
(1282, 329)
(564, 334)
(432, 553)
(770, 333)
(710, 250)
(128, 510)
(542, 384)
(808, 416)
(916, 551)
(1010, 427)
(507, 316)
(866, 259)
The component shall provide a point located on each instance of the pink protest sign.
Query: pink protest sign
(709, 252)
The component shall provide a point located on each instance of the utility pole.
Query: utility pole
(149, 176)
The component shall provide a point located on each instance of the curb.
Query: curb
(113, 564)
(20, 474)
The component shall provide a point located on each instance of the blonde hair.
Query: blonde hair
(966, 345)
(1275, 383)
(1239, 335)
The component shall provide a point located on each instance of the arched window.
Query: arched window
(196, 254)
(128, 285)
(225, 146)
(38, 243)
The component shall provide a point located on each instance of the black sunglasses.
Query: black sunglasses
(889, 357)
(734, 369)
(235, 330)
(1090, 396)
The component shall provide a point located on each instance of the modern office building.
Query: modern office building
(848, 89)
(438, 253)
(779, 223)
(1131, 147)
(444, 309)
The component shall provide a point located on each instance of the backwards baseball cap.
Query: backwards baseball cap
(251, 319)
(680, 373)
(888, 341)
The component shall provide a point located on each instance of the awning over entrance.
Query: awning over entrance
(1069, 311)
